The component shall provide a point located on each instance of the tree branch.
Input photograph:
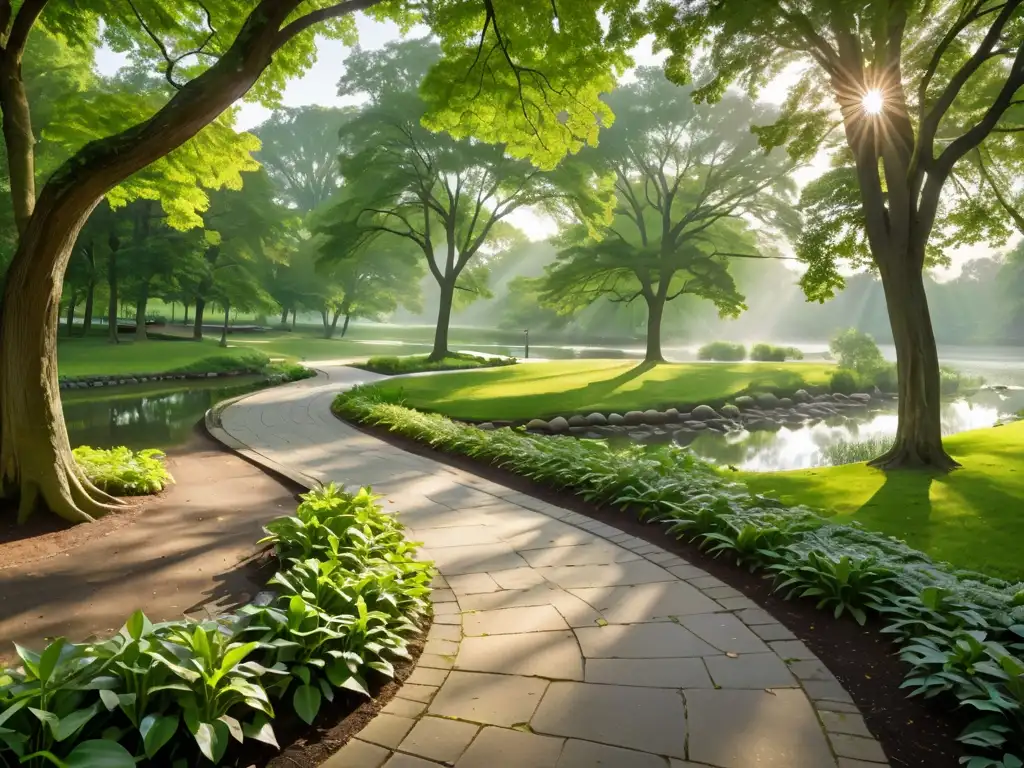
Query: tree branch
(322, 14)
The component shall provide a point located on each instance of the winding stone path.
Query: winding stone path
(559, 641)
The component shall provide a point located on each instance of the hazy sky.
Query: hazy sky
(319, 86)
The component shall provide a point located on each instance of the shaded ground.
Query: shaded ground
(548, 389)
(189, 550)
(970, 517)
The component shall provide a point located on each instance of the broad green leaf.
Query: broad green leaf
(49, 658)
(306, 701)
(260, 730)
(74, 722)
(156, 731)
(99, 753)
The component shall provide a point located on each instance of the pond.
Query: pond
(140, 416)
(808, 446)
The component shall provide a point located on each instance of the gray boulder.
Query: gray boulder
(743, 402)
(616, 419)
(861, 397)
(578, 421)
(558, 424)
(702, 412)
(634, 417)
(536, 424)
(785, 402)
(767, 400)
(839, 397)
(683, 417)
(672, 414)
(597, 420)
(802, 396)
(729, 411)
(696, 425)
(822, 398)
(654, 417)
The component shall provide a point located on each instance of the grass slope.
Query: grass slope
(94, 356)
(548, 389)
(972, 517)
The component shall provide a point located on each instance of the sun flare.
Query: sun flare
(873, 102)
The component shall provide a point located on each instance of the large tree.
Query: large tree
(449, 196)
(920, 89)
(688, 179)
(212, 55)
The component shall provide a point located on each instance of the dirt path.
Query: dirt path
(187, 551)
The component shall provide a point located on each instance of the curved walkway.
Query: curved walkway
(559, 641)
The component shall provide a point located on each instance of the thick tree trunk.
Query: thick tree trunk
(35, 455)
(344, 327)
(224, 330)
(284, 317)
(18, 136)
(328, 328)
(197, 327)
(185, 321)
(89, 296)
(293, 319)
(919, 431)
(655, 312)
(444, 317)
(140, 314)
(71, 315)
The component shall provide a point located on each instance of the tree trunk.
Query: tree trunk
(444, 317)
(328, 328)
(197, 328)
(35, 455)
(87, 320)
(655, 311)
(112, 283)
(224, 330)
(185, 321)
(919, 431)
(293, 319)
(344, 327)
(284, 317)
(18, 136)
(71, 315)
(140, 314)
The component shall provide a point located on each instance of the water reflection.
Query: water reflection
(803, 448)
(145, 416)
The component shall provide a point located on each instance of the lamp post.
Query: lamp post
(526, 335)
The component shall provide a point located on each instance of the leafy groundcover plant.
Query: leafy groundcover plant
(347, 598)
(123, 472)
(961, 632)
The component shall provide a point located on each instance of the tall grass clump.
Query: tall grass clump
(855, 451)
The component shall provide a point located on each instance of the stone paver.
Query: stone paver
(558, 641)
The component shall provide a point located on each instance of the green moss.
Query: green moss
(538, 390)
(970, 517)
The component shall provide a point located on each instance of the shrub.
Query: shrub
(766, 353)
(843, 567)
(856, 351)
(886, 378)
(279, 373)
(122, 472)
(389, 366)
(174, 693)
(844, 381)
(952, 381)
(725, 351)
(249, 361)
(855, 451)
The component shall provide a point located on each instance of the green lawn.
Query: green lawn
(973, 517)
(538, 390)
(94, 356)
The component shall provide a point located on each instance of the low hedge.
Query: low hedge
(767, 353)
(392, 365)
(722, 351)
(961, 632)
(347, 597)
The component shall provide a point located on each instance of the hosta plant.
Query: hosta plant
(844, 584)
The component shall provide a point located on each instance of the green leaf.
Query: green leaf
(137, 625)
(261, 730)
(50, 657)
(156, 731)
(306, 701)
(74, 722)
(29, 658)
(98, 753)
(48, 719)
(234, 727)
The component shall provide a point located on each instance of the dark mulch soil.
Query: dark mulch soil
(912, 732)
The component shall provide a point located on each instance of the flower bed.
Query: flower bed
(346, 600)
(961, 633)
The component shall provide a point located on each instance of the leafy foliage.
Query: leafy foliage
(842, 567)
(123, 472)
(768, 353)
(166, 694)
(722, 350)
(856, 351)
(417, 363)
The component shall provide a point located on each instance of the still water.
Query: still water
(766, 451)
(146, 415)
